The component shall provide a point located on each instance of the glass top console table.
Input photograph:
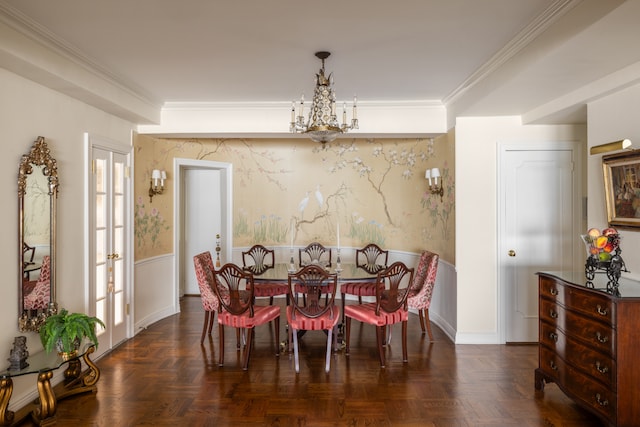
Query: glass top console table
(43, 409)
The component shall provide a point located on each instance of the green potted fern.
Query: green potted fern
(65, 332)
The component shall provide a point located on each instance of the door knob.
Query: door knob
(512, 253)
(113, 256)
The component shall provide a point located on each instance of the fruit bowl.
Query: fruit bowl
(601, 246)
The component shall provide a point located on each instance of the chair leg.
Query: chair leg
(238, 339)
(359, 299)
(380, 338)
(347, 333)
(405, 358)
(221, 344)
(328, 357)
(276, 324)
(247, 348)
(205, 326)
(428, 321)
(212, 318)
(421, 319)
(270, 300)
(295, 349)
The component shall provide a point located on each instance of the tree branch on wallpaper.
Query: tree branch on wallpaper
(394, 159)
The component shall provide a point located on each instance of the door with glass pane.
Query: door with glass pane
(110, 242)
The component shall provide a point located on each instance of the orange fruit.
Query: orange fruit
(601, 242)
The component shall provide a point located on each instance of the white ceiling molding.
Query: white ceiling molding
(271, 120)
(31, 51)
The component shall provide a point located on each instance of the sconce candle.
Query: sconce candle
(434, 188)
(157, 177)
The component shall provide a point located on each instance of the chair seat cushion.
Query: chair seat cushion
(269, 289)
(367, 313)
(261, 315)
(361, 289)
(300, 322)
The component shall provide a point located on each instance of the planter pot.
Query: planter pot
(67, 355)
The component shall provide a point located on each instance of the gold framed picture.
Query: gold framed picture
(622, 188)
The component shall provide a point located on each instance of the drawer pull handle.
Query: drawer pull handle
(553, 314)
(601, 402)
(602, 311)
(553, 365)
(553, 291)
(553, 336)
(601, 369)
(601, 338)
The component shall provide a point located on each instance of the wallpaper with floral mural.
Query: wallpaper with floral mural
(373, 190)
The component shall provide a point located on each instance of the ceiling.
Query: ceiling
(489, 57)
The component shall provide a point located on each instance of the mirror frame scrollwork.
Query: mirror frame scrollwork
(39, 156)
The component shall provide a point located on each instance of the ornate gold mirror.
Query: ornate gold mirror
(37, 194)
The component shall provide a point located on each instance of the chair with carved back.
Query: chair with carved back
(314, 253)
(234, 289)
(390, 307)
(372, 259)
(421, 289)
(40, 296)
(257, 260)
(316, 310)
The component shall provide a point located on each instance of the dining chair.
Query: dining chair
(372, 259)
(314, 311)
(422, 286)
(234, 289)
(257, 260)
(207, 294)
(390, 307)
(314, 253)
(40, 296)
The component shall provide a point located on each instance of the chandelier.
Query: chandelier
(322, 125)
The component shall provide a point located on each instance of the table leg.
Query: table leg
(6, 389)
(45, 412)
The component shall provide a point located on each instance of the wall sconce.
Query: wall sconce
(623, 144)
(156, 186)
(432, 175)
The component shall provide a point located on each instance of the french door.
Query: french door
(110, 257)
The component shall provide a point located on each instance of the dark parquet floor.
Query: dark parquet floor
(164, 377)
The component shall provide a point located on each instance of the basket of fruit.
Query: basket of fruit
(603, 255)
(602, 245)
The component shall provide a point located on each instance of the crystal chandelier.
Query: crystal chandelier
(322, 125)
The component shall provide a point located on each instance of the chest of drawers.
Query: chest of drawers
(589, 345)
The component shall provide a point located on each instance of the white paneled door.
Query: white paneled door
(202, 218)
(110, 258)
(540, 221)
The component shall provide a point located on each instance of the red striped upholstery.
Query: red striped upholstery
(366, 313)
(261, 315)
(300, 322)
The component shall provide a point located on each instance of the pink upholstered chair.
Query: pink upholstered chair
(316, 310)
(422, 288)
(392, 290)
(371, 258)
(234, 289)
(40, 296)
(257, 260)
(207, 295)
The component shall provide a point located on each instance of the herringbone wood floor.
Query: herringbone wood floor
(164, 377)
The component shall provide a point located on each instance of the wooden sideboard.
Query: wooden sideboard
(589, 344)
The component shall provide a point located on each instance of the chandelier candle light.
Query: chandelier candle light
(322, 125)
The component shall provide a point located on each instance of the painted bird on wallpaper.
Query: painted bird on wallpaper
(319, 197)
(303, 204)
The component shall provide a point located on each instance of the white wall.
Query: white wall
(613, 118)
(477, 139)
(29, 110)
